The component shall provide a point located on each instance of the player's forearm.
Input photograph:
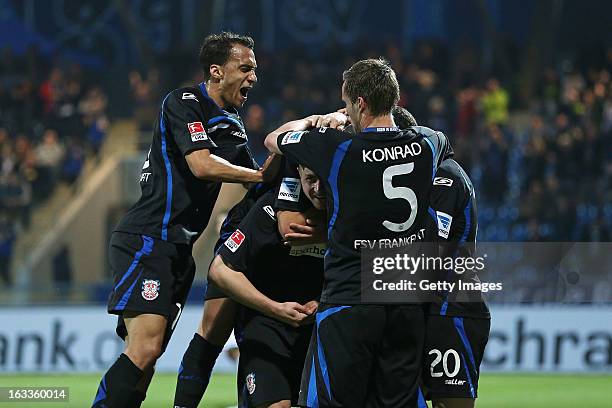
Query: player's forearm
(271, 141)
(215, 168)
(286, 218)
(237, 286)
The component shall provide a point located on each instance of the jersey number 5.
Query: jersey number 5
(404, 193)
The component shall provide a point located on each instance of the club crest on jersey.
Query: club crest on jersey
(442, 181)
(235, 240)
(197, 132)
(250, 383)
(290, 189)
(150, 289)
(292, 137)
(444, 223)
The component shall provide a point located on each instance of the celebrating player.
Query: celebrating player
(255, 268)
(219, 311)
(368, 198)
(456, 329)
(199, 141)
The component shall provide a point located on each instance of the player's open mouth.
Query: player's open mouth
(244, 91)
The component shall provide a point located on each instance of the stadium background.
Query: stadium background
(522, 88)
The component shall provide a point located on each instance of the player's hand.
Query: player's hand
(311, 233)
(311, 308)
(291, 313)
(334, 120)
(271, 168)
(312, 120)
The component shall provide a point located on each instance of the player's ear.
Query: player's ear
(216, 72)
(362, 104)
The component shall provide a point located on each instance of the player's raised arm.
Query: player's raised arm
(271, 142)
(240, 288)
(335, 120)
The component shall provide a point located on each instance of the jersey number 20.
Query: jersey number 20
(404, 193)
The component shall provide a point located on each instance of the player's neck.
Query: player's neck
(214, 92)
(385, 121)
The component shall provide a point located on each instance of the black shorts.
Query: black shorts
(150, 276)
(454, 347)
(364, 356)
(271, 359)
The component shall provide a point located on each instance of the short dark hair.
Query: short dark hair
(402, 118)
(375, 81)
(216, 49)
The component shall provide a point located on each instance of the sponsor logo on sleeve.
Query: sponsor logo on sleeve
(290, 189)
(150, 289)
(189, 95)
(235, 240)
(442, 181)
(270, 211)
(444, 223)
(197, 132)
(292, 137)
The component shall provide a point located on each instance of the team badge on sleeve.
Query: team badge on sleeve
(444, 223)
(197, 132)
(150, 289)
(292, 137)
(290, 189)
(250, 383)
(235, 240)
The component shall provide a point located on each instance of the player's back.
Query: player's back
(378, 184)
(380, 192)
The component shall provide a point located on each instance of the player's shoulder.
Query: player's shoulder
(184, 96)
(426, 132)
(450, 174)
(264, 206)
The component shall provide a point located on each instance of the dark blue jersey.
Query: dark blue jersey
(378, 184)
(280, 272)
(454, 224)
(175, 206)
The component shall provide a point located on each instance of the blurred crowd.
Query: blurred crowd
(51, 119)
(541, 168)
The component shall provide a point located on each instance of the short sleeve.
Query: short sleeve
(289, 194)
(447, 201)
(256, 230)
(314, 149)
(184, 121)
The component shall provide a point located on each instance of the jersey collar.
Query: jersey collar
(202, 87)
(380, 129)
